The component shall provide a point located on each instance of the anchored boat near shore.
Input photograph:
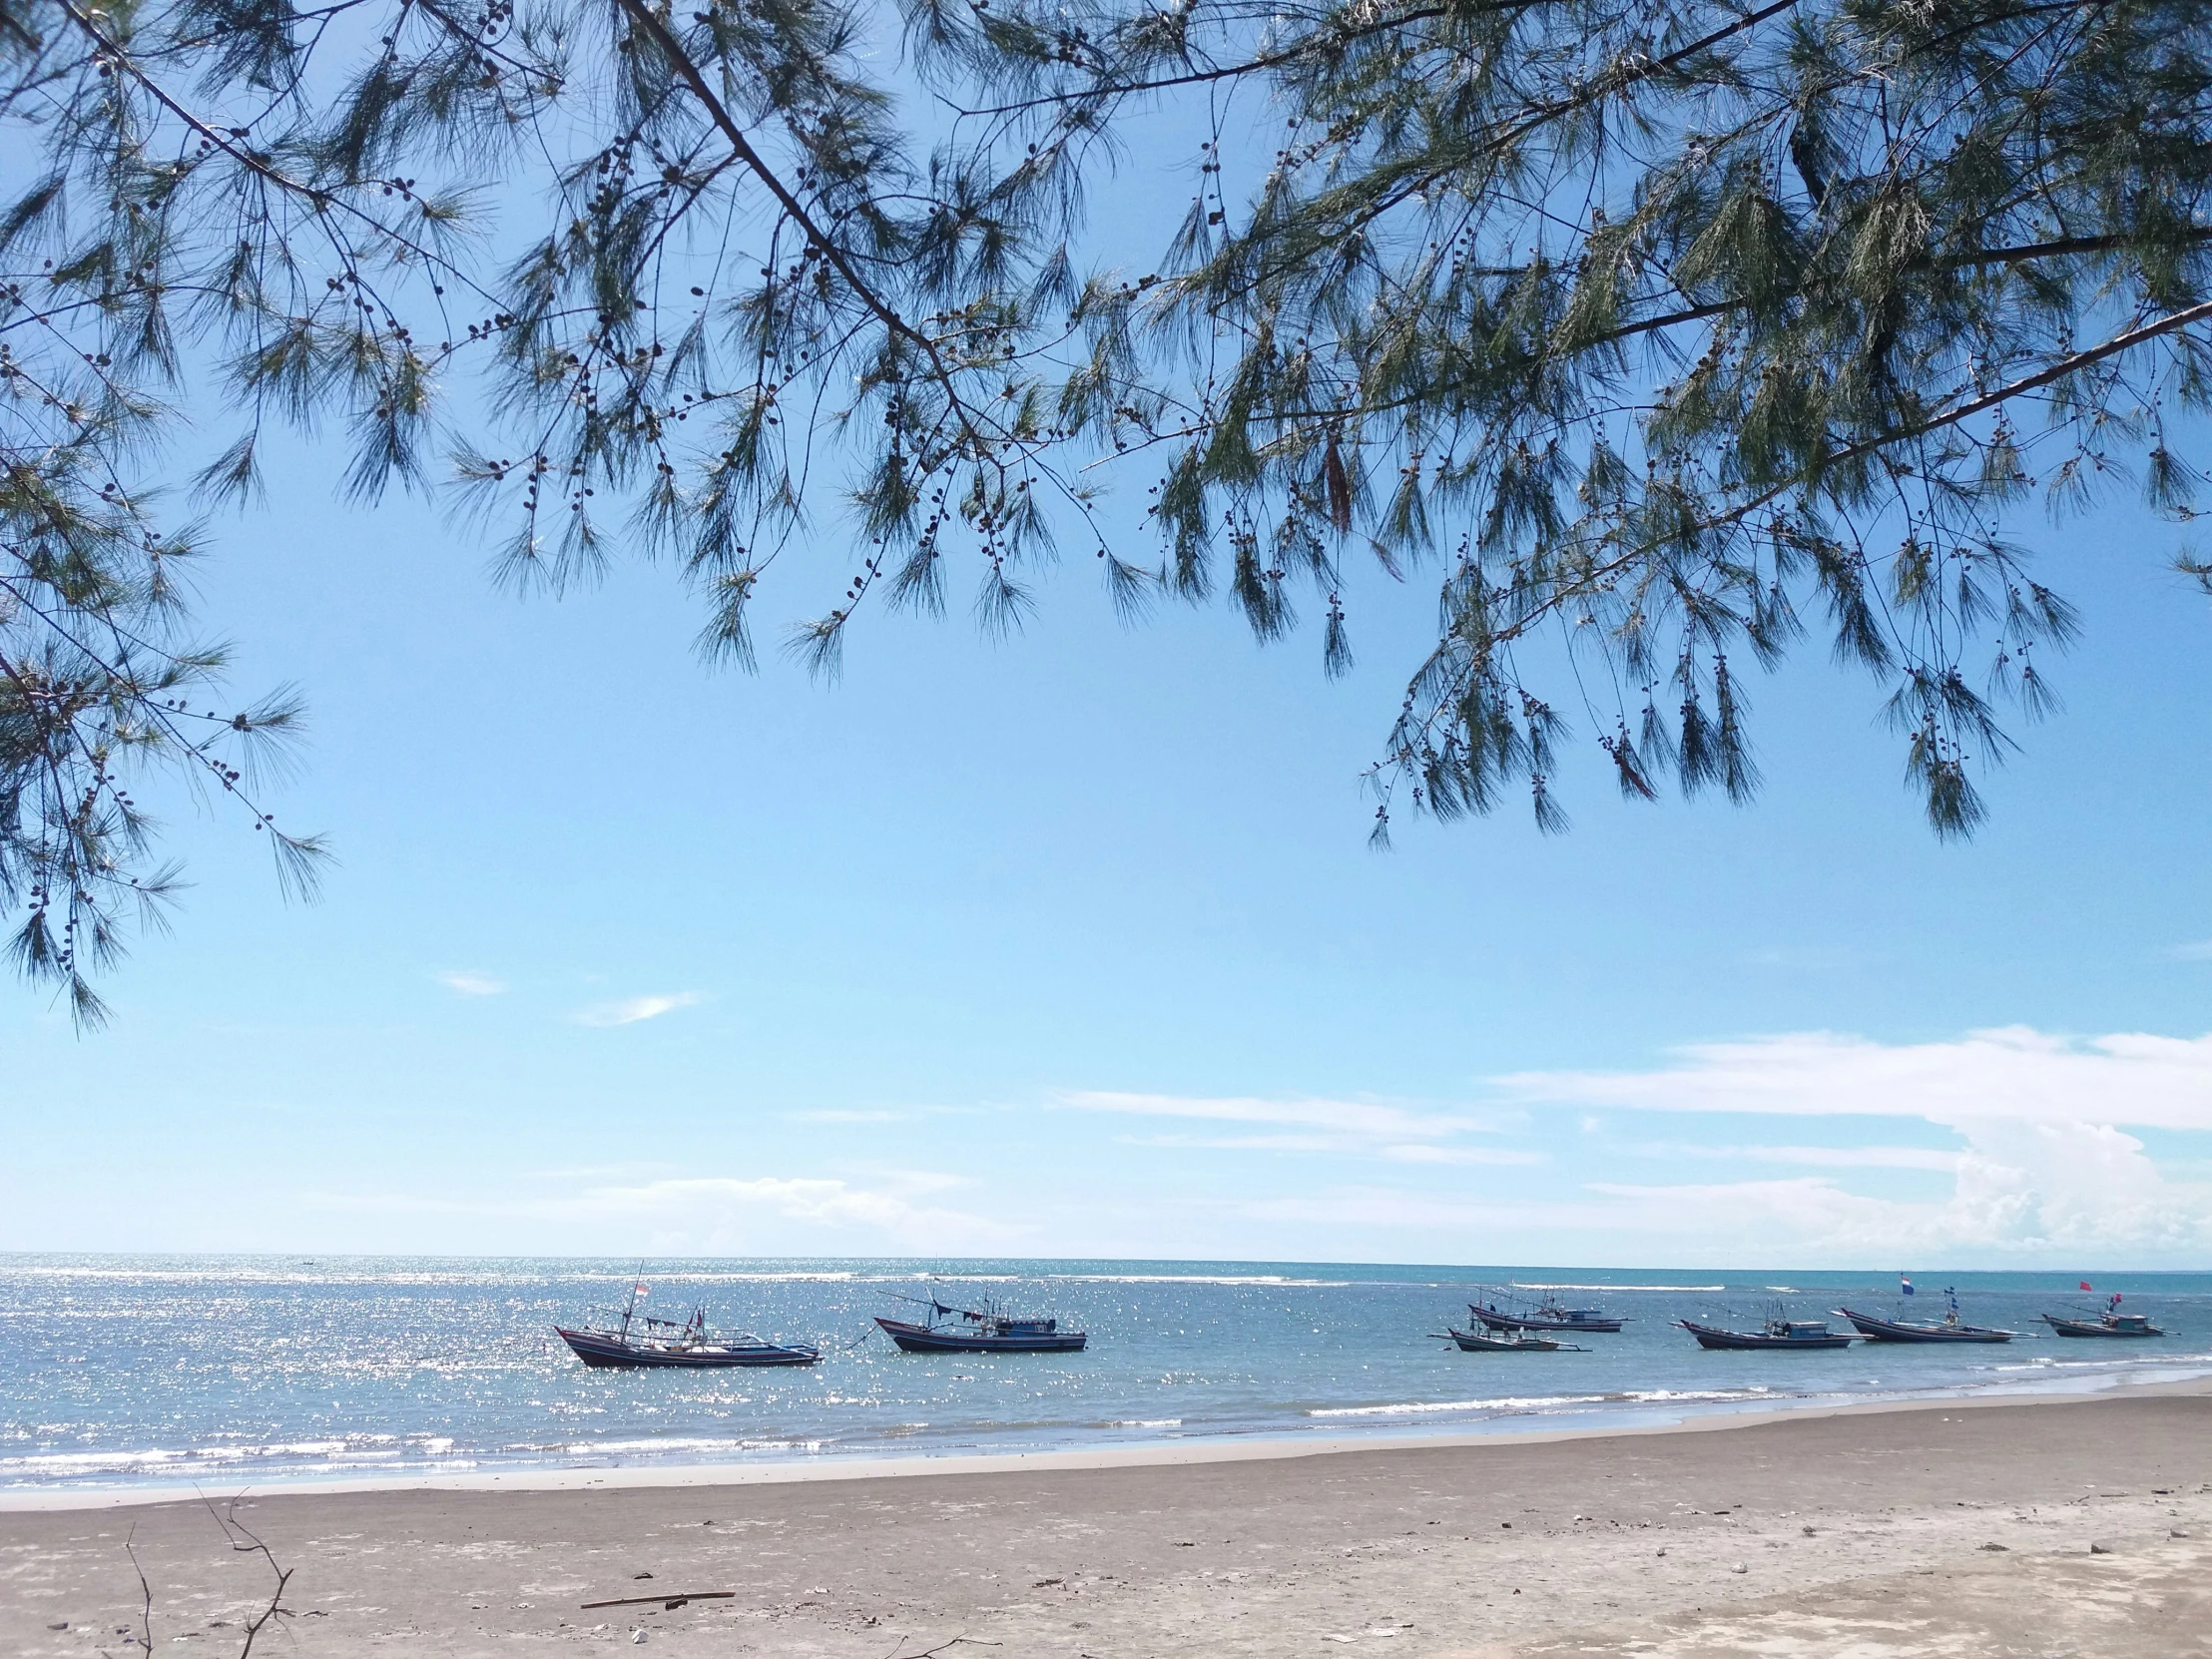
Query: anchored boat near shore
(987, 1329)
(1950, 1329)
(636, 1341)
(1504, 1342)
(1549, 1315)
(2107, 1321)
(1778, 1332)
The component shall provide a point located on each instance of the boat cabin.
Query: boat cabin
(1575, 1315)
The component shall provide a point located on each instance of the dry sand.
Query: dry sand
(1858, 1535)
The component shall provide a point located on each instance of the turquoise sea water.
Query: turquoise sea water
(233, 1370)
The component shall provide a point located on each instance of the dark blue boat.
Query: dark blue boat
(2110, 1321)
(1777, 1334)
(635, 1341)
(1950, 1328)
(989, 1330)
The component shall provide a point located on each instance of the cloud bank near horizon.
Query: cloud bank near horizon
(2010, 1073)
(2010, 1147)
(2047, 1168)
(2044, 1165)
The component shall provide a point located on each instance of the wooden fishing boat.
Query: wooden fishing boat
(986, 1330)
(1950, 1328)
(636, 1341)
(1779, 1333)
(648, 1344)
(1509, 1341)
(2110, 1321)
(1549, 1315)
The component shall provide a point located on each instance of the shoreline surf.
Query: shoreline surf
(1142, 1455)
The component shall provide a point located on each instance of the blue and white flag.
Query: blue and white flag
(1905, 1285)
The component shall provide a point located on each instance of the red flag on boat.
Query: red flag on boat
(2085, 1285)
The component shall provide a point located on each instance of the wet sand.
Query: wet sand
(1865, 1533)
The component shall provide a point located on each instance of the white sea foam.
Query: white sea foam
(1520, 1285)
(1264, 1279)
(1420, 1407)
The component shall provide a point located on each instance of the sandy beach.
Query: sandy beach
(2048, 1527)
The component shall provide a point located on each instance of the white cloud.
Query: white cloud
(2012, 1073)
(1812, 1157)
(1240, 1143)
(1341, 1128)
(2199, 950)
(751, 1215)
(733, 1214)
(1422, 1152)
(1362, 1117)
(471, 984)
(2047, 1168)
(633, 1009)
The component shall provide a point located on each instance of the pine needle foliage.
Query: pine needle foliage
(1659, 335)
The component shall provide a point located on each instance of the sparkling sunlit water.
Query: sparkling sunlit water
(229, 1371)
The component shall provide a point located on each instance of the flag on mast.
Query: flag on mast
(1905, 1285)
(2085, 1285)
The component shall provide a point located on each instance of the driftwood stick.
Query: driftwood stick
(671, 1603)
(932, 1652)
(246, 1541)
(143, 1638)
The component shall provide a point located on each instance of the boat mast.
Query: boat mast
(633, 1304)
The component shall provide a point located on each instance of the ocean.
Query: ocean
(226, 1371)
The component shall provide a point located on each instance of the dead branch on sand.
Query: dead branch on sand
(244, 1541)
(899, 1652)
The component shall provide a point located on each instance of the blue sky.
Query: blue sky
(1072, 945)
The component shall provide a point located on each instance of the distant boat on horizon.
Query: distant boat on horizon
(986, 1330)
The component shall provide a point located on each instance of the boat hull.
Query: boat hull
(1473, 1342)
(604, 1353)
(922, 1339)
(1529, 1322)
(2095, 1328)
(1710, 1336)
(1903, 1330)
